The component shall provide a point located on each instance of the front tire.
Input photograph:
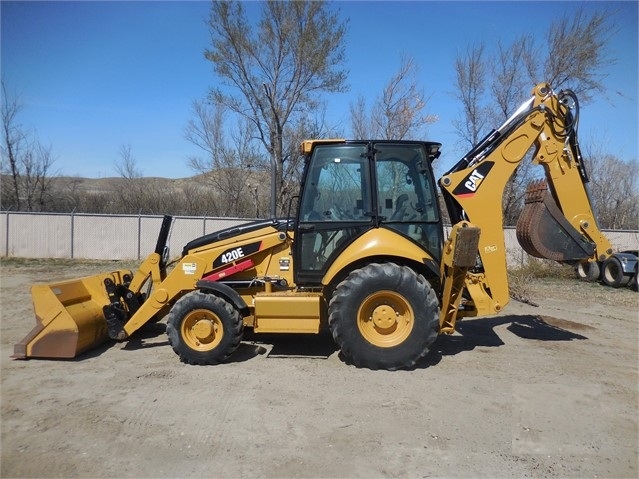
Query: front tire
(204, 328)
(384, 316)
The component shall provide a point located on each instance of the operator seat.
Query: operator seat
(401, 206)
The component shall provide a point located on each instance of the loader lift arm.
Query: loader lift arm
(126, 299)
(557, 222)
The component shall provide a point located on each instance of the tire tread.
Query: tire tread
(234, 331)
(362, 278)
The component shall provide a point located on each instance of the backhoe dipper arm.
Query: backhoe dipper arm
(557, 223)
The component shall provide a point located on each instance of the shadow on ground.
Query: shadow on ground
(481, 332)
(472, 334)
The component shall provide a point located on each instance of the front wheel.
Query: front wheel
(384, 316)
(204, 328)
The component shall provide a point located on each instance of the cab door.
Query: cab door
(335, 208)
(406, 194)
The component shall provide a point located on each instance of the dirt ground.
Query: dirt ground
(548, 391)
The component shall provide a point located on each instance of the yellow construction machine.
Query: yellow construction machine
(365, 255)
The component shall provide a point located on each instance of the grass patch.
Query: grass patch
(544, 268)
(521, 279)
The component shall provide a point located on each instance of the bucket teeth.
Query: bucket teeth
(536, 191)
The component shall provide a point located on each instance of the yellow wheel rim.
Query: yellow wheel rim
(385, 319)
(202, 330)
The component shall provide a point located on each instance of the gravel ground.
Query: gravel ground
(547, 391)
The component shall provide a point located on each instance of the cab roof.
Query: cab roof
(432, 147)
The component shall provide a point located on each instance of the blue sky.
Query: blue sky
(93, 76)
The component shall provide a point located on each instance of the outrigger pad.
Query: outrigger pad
(544, 232)
(466, 245)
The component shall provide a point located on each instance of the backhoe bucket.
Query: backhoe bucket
(544, 232)
(69, 317)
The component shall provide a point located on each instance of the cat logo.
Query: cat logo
(474, 180)
(471, 183)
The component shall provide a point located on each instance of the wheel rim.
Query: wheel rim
(385, 319)
(202, 330)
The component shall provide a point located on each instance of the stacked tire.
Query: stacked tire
(616, 271)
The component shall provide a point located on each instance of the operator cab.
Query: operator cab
(351, 187)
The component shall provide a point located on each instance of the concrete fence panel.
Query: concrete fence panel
(623, 240)
(42, 236)
(84, 236)
(104, 237)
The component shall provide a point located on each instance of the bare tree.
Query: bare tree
(614, 191)
(574, 56)
(361, 123)
(309, 126)
(470, 83)
(126, 165)
(509, 79)
(276, 68)
(398, 113)
(36, 164)
(14, 140)
(235, 171)
(25, 164)
(137, 194)
(577, 56)
(129, 191)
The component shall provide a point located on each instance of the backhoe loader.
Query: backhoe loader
(365, 255)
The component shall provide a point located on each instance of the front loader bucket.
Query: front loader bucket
(69, 317)
(544, 232)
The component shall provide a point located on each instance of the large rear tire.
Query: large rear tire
(384, 316)
(612, 273)
(204, 328)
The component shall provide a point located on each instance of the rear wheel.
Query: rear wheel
(384, 316)
(612, 273)
(204, 328)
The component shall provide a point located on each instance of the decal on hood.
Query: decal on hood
(233, 254)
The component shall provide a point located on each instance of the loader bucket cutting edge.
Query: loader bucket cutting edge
(69, 317)
(544, 232)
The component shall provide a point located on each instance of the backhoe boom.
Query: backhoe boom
(557, 223)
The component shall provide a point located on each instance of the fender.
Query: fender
(226, 292)
(380, 242)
